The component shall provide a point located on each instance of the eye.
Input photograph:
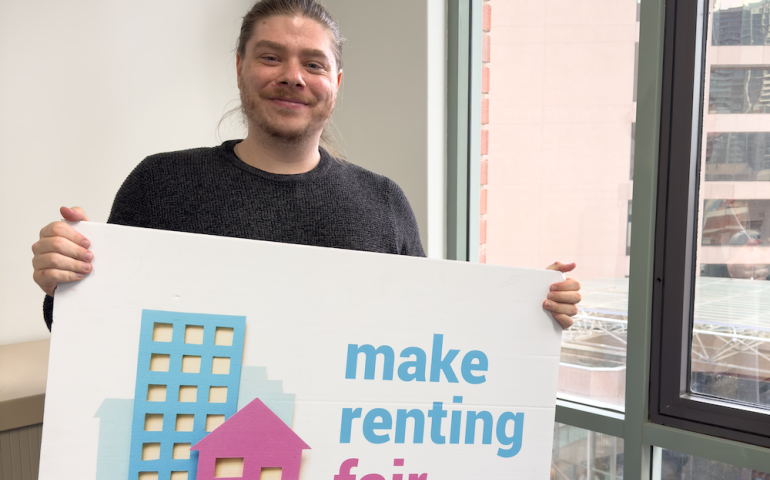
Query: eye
(269, 58)
(315, 66)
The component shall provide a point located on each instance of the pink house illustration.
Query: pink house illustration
(251, 440)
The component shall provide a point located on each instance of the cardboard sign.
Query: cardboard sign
(193, 356)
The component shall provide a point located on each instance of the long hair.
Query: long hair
(299, 8)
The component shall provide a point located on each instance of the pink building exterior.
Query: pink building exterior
(256, 435)
(558, 107)
(557, 126)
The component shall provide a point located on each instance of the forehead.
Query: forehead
(294, 33)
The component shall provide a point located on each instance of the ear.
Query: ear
(339, 79)
(238, 69)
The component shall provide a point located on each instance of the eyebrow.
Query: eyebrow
(309, 52)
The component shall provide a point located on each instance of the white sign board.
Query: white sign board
(193, 356)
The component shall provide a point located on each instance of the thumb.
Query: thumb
(74, 214)
(561, 267)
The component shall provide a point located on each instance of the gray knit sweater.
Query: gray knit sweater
(211, 191)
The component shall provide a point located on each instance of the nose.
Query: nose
(291, 75)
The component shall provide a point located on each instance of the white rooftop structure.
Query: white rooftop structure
(735, 310)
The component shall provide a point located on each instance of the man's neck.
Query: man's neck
(273, 156)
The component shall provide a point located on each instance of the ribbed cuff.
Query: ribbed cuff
(48, 311)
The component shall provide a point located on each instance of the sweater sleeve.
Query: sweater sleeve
(48, 311)
(131, 207)
(407, 231)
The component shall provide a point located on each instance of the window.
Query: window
(153, 422)
(156, 393)
(150, 451)
(184, 422)
(188, 393)
(679, 329)
(739, 90)
(551, 139)
(162, 332)
(228, 468)
(633, 147)
(709, 369)
(181, 451)
(736, 223)
(218, 395)
(191, 363)
(193, 334)
(220, 365)
(628, 230)
(680, 466)
(737, 156)
(223, 336)
(584, 454)
(213, 421)
(741, 23)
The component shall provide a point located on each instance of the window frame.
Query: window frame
(671, 401)
(464, 45)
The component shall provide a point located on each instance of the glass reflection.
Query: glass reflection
(737, 156)
(541, 135)
(580, 454)
(739, 90)
(730, 348)
(678, 466)
(741, 23)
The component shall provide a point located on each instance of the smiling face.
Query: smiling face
(288, 78)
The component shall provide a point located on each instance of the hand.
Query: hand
(61, 254)
(564, 296)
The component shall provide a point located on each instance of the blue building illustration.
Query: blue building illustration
(187, 381)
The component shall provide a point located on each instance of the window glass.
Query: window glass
(558, 113)
(738, 22)
(737, 156)
(735, 222)
(678, 466)
(730, 353)
(582, 454)
(739, 89)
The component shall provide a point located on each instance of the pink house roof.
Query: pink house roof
(253, 428)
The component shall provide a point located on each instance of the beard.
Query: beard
(255, 109)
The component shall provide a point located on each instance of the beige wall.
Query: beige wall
(391, 109)
(89, 88)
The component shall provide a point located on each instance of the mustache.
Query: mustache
(286, 95)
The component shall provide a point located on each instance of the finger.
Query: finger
(57, 261)
(48, 280)
(62, 246)
(561, 267)
(567, 285)
(556, 307)
(565, 297)
(61, 229)
(74, 214)
(564, 320)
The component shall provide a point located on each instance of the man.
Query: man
(277, 184)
